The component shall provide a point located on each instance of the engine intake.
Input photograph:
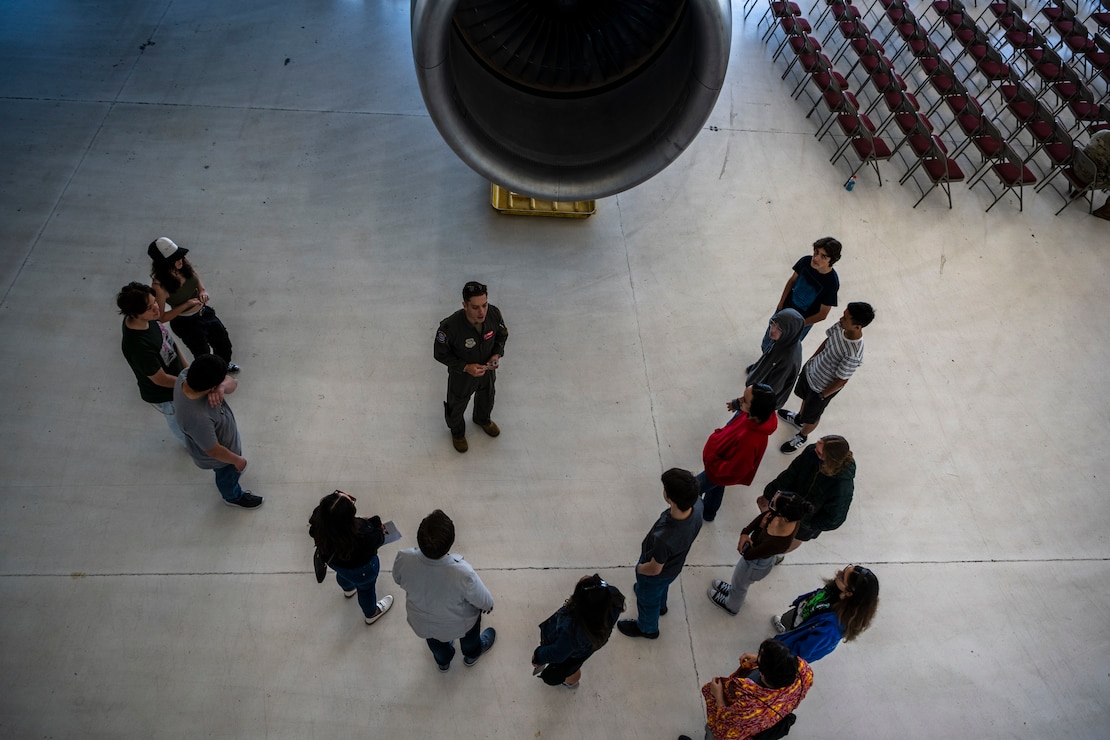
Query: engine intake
(570, 99)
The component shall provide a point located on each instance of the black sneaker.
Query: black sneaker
(233, 368)
(247, 501)
(632, 629)
(790, 418)
(793, 444)
(720, 598)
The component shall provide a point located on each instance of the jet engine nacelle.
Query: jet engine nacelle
(570, 100)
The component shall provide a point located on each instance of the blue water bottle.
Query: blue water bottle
(850, 184)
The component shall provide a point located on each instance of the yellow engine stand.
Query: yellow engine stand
(514, 204)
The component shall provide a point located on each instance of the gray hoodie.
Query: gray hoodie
(779, 366)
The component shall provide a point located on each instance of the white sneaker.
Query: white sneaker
(776, 622)
(383, 606)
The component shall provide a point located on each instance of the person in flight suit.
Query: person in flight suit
(470, 342)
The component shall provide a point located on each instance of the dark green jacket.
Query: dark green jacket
(830, 495)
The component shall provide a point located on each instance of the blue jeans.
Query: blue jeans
(744, 575)
(651, 597)
(227, 480)
(471, 644)
(766, 343)
(712, 495)
(362, 579)
(166, 409)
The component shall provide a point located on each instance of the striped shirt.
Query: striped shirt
(839, 359)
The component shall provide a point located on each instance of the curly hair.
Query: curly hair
(163, 272)
(332, 526)
(134, 299)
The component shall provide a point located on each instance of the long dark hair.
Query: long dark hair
(332, 526)
(856, 611)
(592, 605)
(162, 271)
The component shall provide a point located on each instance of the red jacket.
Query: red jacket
(732, 454)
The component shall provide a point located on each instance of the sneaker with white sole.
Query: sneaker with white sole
(383, 606)
(350, 593)
(723, 586)
(790, 417)
(247, 501)
(720, 600)
(793, 444)
(489, 634)
(776, 622)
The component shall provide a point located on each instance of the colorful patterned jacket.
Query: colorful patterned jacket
(751, 708)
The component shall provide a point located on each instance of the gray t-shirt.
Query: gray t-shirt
(669, 540)
(205, 427)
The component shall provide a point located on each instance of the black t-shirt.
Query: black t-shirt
(147, 351)
(812, 289)
(669, 540)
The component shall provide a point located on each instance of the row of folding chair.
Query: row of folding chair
(1086, 84)
(860, 134)
(996, 151)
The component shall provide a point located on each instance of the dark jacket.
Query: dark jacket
(368, 538)
(832, 496)
(563, 638)
(459, 344)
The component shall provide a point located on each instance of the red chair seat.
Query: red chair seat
(1085, 110)
(863, 147)
(849, 123)
(1011, 175)
(989, 146)
(1079, 44)
(793, 25)
(1021, 39)
(942, 83)
(942, 169)
(1041, 129)
(993, 70)
(969, 123)
(920, 143)
(1023, 110)
(1058, 151)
